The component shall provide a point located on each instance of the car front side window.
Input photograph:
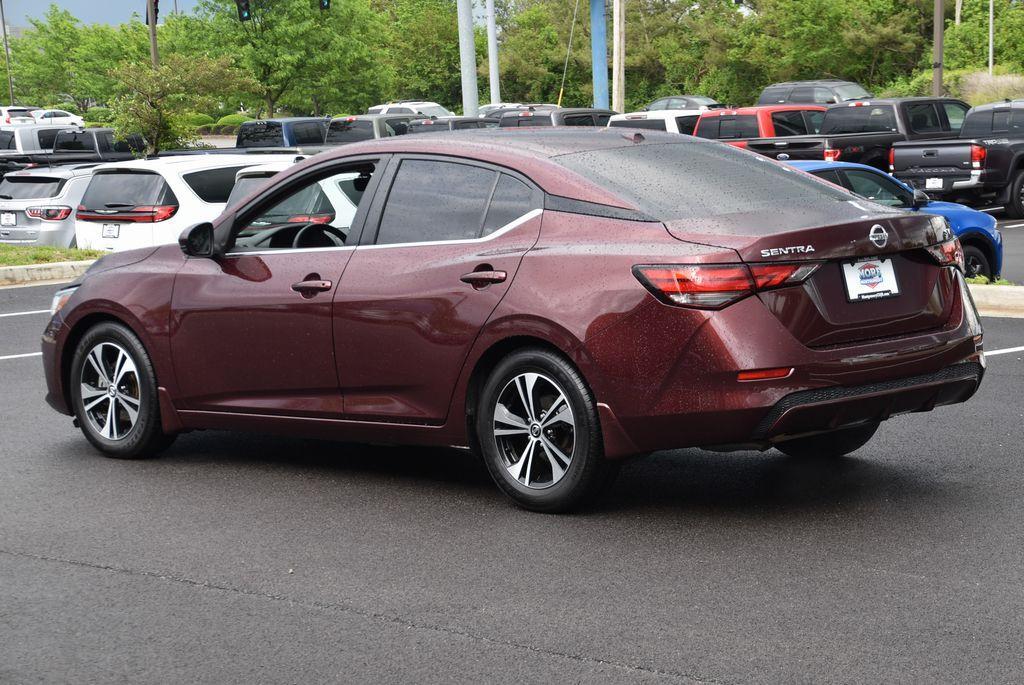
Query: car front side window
(876, 187)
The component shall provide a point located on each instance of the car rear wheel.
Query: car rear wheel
(1015, 206)
(976, 263)
(538, 430)
(114, 394)
(835, 444)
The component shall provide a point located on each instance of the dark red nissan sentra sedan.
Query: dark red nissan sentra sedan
(557, 300)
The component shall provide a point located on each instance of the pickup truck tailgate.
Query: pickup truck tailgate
(936, 166)
(790, 147)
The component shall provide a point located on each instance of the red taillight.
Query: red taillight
(8, 119)
(978, 154)
(49, 213)
(713, 286)
(765, 374)
(949, 253)
(311, 219)
(831, 154)
(144, 214)
(892, 159)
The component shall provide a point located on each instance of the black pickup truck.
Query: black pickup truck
(984, 165)
(865, 130)
(74, 145)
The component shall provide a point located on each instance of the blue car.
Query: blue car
(981, 240)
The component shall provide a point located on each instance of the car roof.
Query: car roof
(42, 127)
(530, 150)
(284, 120)
(367, 117)
(1006, 104)
(58, 171)
(754, 109)
(813, 82)
(186, 163)
(893, 101)
(810, 165)
(272, 167)
(659, 114)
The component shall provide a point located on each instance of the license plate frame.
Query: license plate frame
(933, 184)
(870, 279)
(111, 230)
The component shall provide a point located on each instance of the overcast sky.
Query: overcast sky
(109, 11)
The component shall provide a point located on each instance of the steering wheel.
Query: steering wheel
(326, 230)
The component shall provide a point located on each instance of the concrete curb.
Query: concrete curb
(33, 273)
(992, 300)
(999, 300)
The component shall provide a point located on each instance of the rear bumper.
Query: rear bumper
(953, 180)
(814, 411)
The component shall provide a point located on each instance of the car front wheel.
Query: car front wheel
(114, 394)
(538, 429)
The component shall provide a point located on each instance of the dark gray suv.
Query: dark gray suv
(822, 92)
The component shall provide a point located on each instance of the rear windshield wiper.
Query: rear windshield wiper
(6, 197)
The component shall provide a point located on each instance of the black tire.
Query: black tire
(829, 445)
(976, 263)
(1014, 207)
(145, 437)
(587, 473)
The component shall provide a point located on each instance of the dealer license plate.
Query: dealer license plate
(870, 279)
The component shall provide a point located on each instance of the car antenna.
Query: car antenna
(636, 137)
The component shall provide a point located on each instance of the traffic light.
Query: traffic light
(244, 11)
(325, 4)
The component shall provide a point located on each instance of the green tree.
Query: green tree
(42, 58)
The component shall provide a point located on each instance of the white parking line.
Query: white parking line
(37, 311)
(1011, 226)
(22, 356)
(1008, 350)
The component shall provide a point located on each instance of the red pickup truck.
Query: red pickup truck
(736, 126)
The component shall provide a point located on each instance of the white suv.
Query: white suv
(671, 120)
(420, 107)
(148, 202)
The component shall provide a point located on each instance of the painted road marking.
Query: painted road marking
(1011, 225)
(37, 311)
(1008, 350)
(22, 356)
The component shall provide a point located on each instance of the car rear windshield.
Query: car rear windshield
(345, 131)
(850, 91)
(7, 140)
(867, 119)
(246, 184)
(127, 189)
(689, 180)
(260, 134)
(529, 120)
(651, 124)
(75, 142)
(29, 187)
(728, 127)
(433, 111)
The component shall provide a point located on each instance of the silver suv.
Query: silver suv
(37, 206)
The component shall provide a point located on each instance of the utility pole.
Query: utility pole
(939, 19)
(467, 58)
(599, 53)
(151, 20)
(7, 51)
(492, 53)
(991, 35)
(619, 55)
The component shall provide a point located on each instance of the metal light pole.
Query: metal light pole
(939, 19)
(151, 20)
(619, 55)
(7, 51)
(991, 33)
(492, 53)
(467, 58)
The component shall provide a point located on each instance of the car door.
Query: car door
(251, 331)
(444, 247)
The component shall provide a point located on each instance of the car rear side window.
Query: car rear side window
(923, 117)
(707, 127)
(511, 199)
(1000, 121)
(715, 180)
(212, 185)
(7, 140)
(977, 124)
(742, 126)
(45, 138)
(686, 124)
(789, 123)
(647, 124)
(308, 133)
(260, 134)
(127, 189)
(771, 95)
(862, 119)
(350, 130)
(434, 200)
(955, 113)
(29, 187)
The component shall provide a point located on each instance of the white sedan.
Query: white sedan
(58, 117)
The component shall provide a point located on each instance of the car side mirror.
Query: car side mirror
(920, 199)
(197, 240)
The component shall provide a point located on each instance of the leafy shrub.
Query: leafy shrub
(204, 129)
(233, 119)
(98, 114)
(96, 124)
(197, 119)
(226, 130)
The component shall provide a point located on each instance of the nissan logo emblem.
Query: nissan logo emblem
(878, 236)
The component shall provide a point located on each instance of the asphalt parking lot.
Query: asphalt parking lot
(1013, 249)
(245, 559)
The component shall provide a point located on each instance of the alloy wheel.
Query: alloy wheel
(111, 392)
(534, 430)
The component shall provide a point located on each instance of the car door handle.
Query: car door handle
(312, 286)
(481, 278)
